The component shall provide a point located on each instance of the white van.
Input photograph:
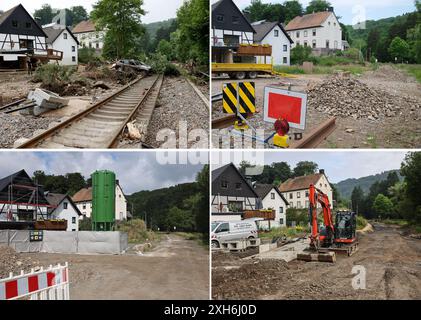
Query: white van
(232, 231)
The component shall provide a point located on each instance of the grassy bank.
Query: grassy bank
(202, 239)
(136, 231)
(412, 69)
(355, 69)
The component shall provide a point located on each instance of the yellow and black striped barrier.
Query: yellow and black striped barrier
(239, 96)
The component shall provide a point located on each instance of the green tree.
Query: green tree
(382, 206)
(357, 199)
(75, 182)
(193, 28)
(122, 20)
(78, 14)
(201, 208)
(44, 15)
(305, 168)
(317, 6)
(165, 48)
(182, 220)
(411, 170)
(399, 49)
(299, 54)
(373, 40)
(293, 9)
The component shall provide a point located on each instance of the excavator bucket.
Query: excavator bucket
(317, 256)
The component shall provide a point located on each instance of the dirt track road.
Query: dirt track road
(175, 269)
(392, 264)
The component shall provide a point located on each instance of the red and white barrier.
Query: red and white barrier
(49, 284)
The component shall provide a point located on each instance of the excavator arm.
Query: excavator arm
(316, 240)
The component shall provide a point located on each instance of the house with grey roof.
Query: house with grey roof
(274, 34)
(60, 38)
(63, 208)
(272, 199)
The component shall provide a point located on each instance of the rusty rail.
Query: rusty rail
(33, 142)
(316, 136)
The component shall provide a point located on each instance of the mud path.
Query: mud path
(176, 269)
(392, 264)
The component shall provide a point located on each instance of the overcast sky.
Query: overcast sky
(339, 166)
(157, 10)
(374, 9)
(136, 171)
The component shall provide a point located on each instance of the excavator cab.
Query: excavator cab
(345, 227)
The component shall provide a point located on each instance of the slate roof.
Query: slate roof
(262, 30)
(308, 21)
(54, 33)
(56, 198)
(263, 189)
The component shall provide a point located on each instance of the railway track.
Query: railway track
(101, 125)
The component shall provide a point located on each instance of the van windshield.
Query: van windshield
(214, 225)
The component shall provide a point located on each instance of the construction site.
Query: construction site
(50, 235)
(300, 85)
(298, 239)
(51, 99)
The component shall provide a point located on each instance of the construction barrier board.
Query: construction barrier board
(289, 105)
(241, 95)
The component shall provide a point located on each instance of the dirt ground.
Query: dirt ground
(178, 104)
(391, 260)
(403, 131)
(176, 269)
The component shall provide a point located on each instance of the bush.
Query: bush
(85, 224)
(299, 54)
(87, 55)
(300, 216)
(136, 231)
(289, 69)
(53, 76)
(361, 222)
(171, 70)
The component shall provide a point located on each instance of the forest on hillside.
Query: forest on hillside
(184, 206)
(345, 187)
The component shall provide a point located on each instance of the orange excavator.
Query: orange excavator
(339, 236)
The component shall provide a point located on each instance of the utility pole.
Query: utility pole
(146, 220)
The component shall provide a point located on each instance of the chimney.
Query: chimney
(330, 9)
(322, 171)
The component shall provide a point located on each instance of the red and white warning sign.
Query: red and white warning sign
(289, 105)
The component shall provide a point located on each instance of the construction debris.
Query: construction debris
(43, 101)
(343, 96)
(133, 131)
(11, 261)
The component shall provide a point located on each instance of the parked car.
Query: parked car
(232, 231)
(126, 64)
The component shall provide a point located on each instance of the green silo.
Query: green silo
(103, 200)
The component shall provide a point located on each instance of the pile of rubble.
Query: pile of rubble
(11, 261)
(263, 276)
(344, 96)
(18, 126)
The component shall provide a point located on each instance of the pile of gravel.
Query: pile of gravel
(342, 96)
(11, 261)
(14, 127)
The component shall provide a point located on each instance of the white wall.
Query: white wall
(225, 218)
(120, 206)
(40, 46)
(94, 39)
(248, 203)
(245, 37)
(330, 30)
(70, 214)
(278, 43)
(66, 46)
(280, 207)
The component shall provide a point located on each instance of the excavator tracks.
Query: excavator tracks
(100, 126)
